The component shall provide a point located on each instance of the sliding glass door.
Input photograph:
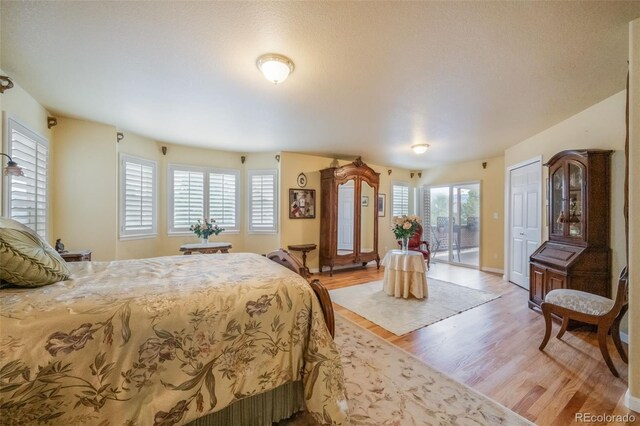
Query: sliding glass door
(451, 219)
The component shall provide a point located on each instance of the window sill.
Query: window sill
(263, 232)
(138, 237)
(191, 234)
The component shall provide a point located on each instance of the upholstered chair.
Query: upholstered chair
(416, 243)
(591, 309)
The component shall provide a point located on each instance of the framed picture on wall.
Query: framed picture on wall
(302, 203)
(382, 203)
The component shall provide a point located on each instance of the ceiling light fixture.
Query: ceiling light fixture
(420, 148)
(275, 68)
(12, 168)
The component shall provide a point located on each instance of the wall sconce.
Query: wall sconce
(389, 172)
(12, 168)
(243, 158)
(164, 150)
(484, 165)
(411, 174)
(119, 136)
(278, 158)
(5, 83)
(419, 174)
(51, 121)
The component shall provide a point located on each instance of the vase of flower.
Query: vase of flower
(205, 228)
(403, 228)
(405, 244)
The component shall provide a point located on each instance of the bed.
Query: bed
(208, 339)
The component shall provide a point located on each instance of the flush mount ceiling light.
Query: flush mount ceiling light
(420, 148)
(275, 68)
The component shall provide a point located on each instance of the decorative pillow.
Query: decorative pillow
(26, 260)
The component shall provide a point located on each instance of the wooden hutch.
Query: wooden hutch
(577, 255)
(349, 215)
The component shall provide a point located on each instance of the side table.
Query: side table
(76, 255)
(304, 248)
(405, 274)
(205, 248)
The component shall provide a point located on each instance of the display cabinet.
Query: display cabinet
(577, 254)
(349, 215)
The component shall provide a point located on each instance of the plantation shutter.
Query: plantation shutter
(137, 197)
(400, 199)
(223, 196)
(262, 201)
(27, 198)
(188, 199)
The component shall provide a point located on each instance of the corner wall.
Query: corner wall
(307, 231)
(491, 201)
(19, 104)
(601, 126)
(632, 399)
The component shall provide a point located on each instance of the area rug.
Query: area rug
(388, 386)
(401, 316)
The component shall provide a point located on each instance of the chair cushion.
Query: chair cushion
(580, 301)
(25, 259)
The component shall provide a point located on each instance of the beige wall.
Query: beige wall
(491, 202)
(20, 105)
(307, 231)
(85, 188)
(600, 126)
(633, 395)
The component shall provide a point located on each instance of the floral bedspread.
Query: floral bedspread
(163, 341)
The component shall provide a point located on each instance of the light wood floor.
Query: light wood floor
(494, 349)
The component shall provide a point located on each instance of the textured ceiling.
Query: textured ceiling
(371, 79)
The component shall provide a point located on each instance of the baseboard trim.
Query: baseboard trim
(624, 337)
(632, 402)
(339, 267)
(492, 270)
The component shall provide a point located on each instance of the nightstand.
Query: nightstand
(76, 255)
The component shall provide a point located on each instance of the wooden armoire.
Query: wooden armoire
(349, 215)
(577, 255)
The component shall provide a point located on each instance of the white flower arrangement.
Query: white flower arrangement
(405, 226)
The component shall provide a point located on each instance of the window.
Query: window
(199, 193)
(26, 199)
(263, 201)
(400, 199)
(138, 210)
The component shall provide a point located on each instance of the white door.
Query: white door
(525, 220)
(345, 219)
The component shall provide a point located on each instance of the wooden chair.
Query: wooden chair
(416, 243)
(285, 259)
(591, 309)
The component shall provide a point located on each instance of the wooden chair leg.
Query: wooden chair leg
(615, 334)
(546, 312)
(603, 330)
(563, 327)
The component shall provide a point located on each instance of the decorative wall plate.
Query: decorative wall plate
(302, 180)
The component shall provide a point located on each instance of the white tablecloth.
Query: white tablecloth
(405, 274)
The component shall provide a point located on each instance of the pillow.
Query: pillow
(26, 260)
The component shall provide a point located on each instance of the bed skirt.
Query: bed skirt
(259, 410)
